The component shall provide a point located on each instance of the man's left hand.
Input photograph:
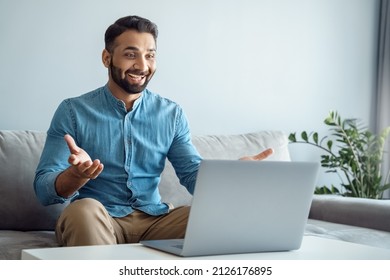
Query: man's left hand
(261, 156)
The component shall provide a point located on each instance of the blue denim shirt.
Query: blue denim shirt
(133, 147)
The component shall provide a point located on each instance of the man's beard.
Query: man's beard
(116, 74)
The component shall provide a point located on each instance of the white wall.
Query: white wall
(235, 66)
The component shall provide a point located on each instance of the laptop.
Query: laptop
(246, 207)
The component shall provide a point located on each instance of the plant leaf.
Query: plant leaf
(315, 137)
(304, 136)
(329, 144)
(292, 137)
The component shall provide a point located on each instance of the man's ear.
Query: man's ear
(106, 58)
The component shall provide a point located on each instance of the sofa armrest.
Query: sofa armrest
(361, 212)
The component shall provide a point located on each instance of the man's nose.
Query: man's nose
(140, 65)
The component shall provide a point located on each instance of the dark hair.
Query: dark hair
(125, 23)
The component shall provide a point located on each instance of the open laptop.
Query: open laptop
(246, 207)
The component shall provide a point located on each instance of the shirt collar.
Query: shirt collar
(119, 104)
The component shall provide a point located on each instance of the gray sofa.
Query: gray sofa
(24, 223)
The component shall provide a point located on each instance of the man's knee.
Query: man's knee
(83, 212)
(84, 222)
(85, 207)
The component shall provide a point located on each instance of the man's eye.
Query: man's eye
(130, 55)
(151, 56)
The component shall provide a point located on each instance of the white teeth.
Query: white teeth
(136, 76)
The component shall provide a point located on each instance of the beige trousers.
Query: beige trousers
(86, 222)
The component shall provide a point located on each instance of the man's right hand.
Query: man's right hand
(84, 166)
(82, 169)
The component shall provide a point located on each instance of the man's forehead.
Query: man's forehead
(132, 39)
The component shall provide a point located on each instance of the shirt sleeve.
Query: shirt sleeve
(183, 155)
(54, 157)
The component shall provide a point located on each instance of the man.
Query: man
(118, 137)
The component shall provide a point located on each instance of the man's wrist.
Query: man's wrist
(68, 182)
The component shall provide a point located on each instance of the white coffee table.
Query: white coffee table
(313, 248)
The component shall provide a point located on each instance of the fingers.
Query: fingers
(264, 154)
(90, 169)
(83, 165)
(261, 156)
(74, 160)
(73, 148)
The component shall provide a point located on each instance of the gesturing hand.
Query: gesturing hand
(263, 155)
(84, 167)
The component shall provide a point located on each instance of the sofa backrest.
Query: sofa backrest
(19, 208)
(20, 152)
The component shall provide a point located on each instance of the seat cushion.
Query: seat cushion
(13, 242)
(354, 234)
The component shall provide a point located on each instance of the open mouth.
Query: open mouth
(136, 78)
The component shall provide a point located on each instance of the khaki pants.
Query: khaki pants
(86, 222)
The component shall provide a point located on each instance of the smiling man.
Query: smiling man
(105, 150)
(131, 62)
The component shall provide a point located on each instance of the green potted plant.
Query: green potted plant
(354, 153)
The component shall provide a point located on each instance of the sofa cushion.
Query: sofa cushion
(20, 210)
(20, 152)
(12, 242)
(236, 146)
(223, 147)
